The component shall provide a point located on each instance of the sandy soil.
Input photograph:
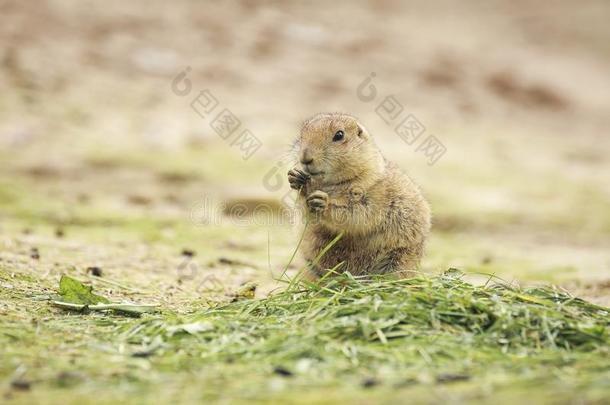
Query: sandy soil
(104, 164)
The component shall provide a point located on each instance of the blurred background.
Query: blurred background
(104, 161)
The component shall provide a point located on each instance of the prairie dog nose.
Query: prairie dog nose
(306, 157)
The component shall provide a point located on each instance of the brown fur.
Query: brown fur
(349, 187)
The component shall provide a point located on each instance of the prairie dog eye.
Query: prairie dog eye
(338, 136)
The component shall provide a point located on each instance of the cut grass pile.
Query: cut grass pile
(431, 339)
(392, 332)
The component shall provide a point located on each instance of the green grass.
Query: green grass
(432, 338)
(391, 329)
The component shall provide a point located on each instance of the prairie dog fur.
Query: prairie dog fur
(346, 186)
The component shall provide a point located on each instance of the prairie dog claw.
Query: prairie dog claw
(297, 178)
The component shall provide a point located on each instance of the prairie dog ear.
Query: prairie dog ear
(362, 132)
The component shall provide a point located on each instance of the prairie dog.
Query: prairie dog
(346, 186)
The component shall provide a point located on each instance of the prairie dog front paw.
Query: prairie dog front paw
(317, 201)
(297, 178)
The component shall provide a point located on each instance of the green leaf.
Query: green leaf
(192, 328)
(77, 296)
(75, 292)
(130, 309)
(245, 292)
(453, 273)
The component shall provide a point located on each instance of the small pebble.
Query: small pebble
(21, 385)
(142, 354)
(448, 377)
(187, 253)
(94, 271)
(284, 372)
(369, 382)
(486, 259)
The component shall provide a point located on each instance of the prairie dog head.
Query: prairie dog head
(335, 148)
